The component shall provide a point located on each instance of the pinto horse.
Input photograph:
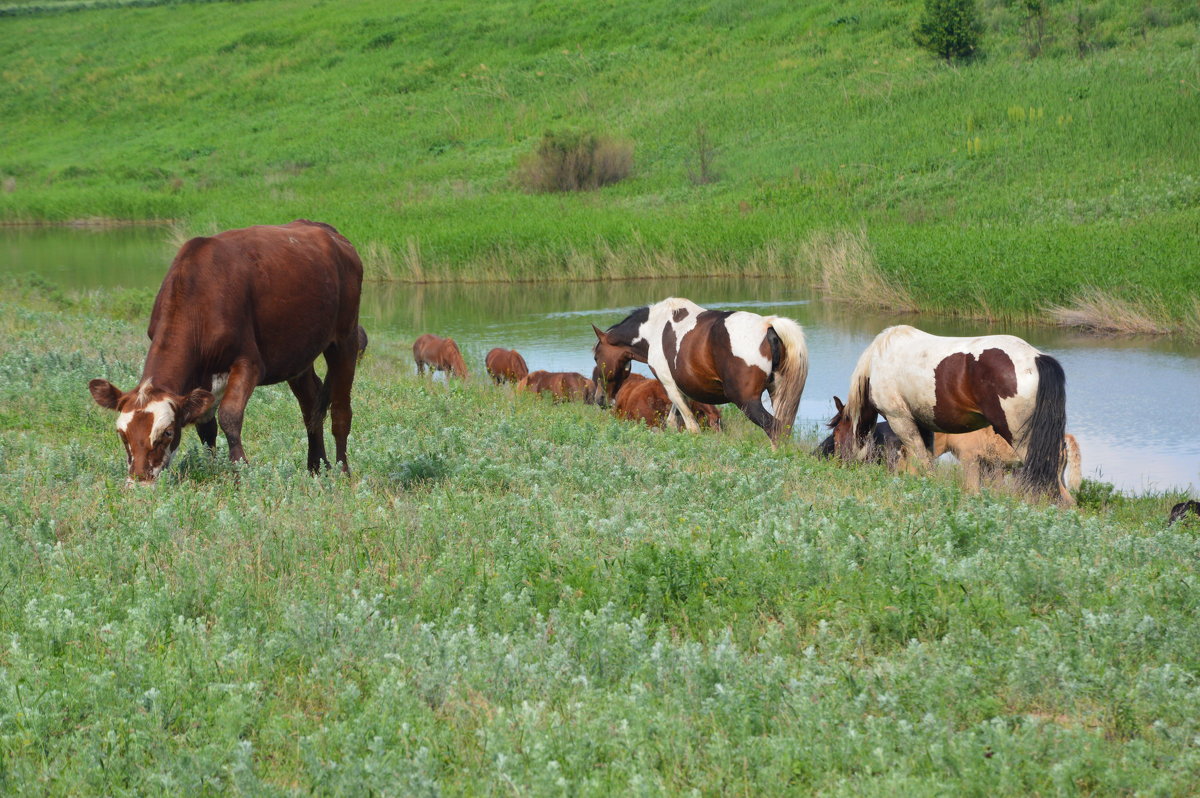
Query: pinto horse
(711, 356)
(505, 365)
(237, 310)
(646, 400)
(565, 386)
(919, 381)
(983, 453)
(440, 354)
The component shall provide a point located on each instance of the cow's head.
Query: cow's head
(150, 423)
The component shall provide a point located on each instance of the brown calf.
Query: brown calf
(237, 310)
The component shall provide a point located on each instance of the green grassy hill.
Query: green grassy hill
(511, 596)
(997, 187)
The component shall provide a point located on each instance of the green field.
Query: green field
(995, 188)
(511, 597)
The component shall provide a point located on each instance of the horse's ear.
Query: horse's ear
(838, 404)
(599, 334)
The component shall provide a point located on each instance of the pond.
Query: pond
(1131, 402)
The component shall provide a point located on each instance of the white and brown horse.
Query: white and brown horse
(439, 354)
(919, 381)
(237, 310)
(711, 356)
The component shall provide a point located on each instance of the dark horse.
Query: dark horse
(711, 356)
(921, 382)
(505, 365)
(237, 310)
(642, 399)
(440, 354)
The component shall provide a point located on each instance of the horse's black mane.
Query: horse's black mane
(625, 331)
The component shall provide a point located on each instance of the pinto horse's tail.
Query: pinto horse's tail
(787, 382)
(1045, 429)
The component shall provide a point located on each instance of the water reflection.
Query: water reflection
(1132, 402)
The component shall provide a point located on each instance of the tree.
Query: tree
(949, 29)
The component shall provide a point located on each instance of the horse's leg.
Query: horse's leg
(757, 412)
(243, 378)
(341, 360)
(909, 433)
(680, 403)
(307, 390)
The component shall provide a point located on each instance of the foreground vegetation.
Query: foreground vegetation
(768, 138)
(516, 597)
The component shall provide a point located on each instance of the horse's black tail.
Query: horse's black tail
(1045, 429)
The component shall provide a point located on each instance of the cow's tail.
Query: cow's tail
(1045, 429)
(787, 383)
(1074, 462)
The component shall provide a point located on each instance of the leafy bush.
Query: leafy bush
(575, 161)
(949, 29)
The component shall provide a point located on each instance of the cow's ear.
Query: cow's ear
(195, 405)
(105, 393)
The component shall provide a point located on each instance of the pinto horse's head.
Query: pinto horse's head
(613, 364)
(150, 423)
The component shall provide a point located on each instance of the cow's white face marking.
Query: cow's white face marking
(164, 418)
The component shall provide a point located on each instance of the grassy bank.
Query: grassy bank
(1000, 188)
(514, 597)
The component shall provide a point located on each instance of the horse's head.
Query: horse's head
(613, 364)
(150, 423)
(845, 442)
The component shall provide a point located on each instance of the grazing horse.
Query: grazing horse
(884, 447)
(237, 310)
(984, 453)
(565, 386)
(505, 365)
(711, 356)
(1184, 511)
(362, 342)
(646, 400)
(919, 381)
(440, 354)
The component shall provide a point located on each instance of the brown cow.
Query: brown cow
(440, 354)
(505, 365)
(642, 399)
(564, 386)
(237, 310)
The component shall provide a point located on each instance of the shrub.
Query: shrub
(575, 161)
(949, 29)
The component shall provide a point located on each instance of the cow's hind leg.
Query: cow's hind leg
(340, 357)
(243, 379)
(307, 389)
